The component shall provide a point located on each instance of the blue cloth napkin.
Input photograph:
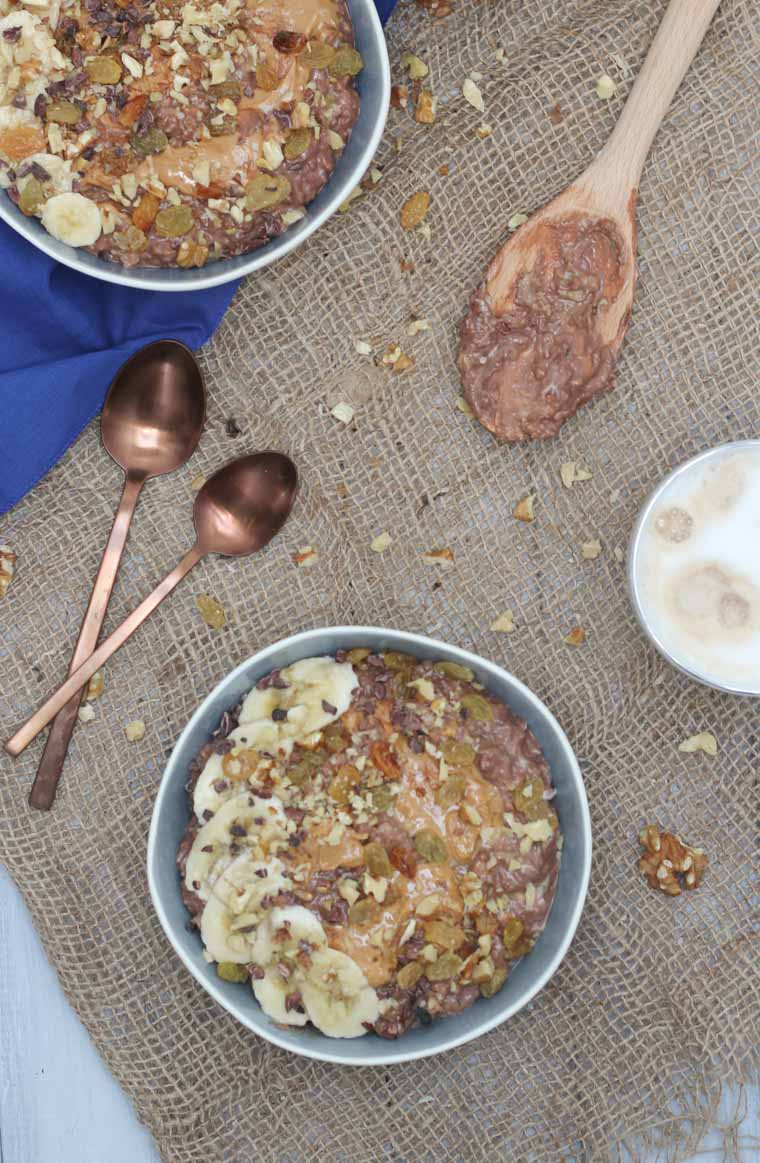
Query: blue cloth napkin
(64, 335)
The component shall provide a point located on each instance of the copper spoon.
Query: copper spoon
(151, 422)
(607, 189)
(238, 511)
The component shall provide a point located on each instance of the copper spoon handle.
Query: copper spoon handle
(51, 765)
(109, 646)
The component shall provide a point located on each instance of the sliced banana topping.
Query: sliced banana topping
(243, 822)
(316, 692)
(233, 910)
(337, 997)
(72, 218)
(291, 949)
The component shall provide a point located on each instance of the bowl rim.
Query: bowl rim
(157, 278)
(419, 642)
(634, 553)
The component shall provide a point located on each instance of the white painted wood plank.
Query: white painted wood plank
(59, 1104)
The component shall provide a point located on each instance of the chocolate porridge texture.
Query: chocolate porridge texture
(654, 1008)
(419, 830)
(160, 133)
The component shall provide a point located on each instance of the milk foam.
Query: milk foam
(698, 568)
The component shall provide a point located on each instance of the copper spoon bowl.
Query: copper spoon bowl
(237, 512)
(151, 422)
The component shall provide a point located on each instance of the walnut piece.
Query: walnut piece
(7, 562)
(576, 637)
(705, 742)
(523, 510)
(668, 864)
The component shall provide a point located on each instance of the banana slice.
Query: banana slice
(313, 685)
(262, 821)
(72, 218)
(232, 913)
(281, 931)
(270, 992)
(337, 996)
(209, 798)
(277, 939)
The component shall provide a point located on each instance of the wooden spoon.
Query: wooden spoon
(606, 191)
(151, 422)
(238, 511)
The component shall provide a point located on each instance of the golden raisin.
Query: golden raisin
(456, 753)
(477, 707)
(191, 254)
(430, 846)
(342, 783)
(296, 143)
(364, 912)
(32, 196)
(376, 859)
(489, 988)
(347, 62)
(144, 213)
(103, 70)
(445, 967)
(318, 55)
(409, 975)
(266, 190)
(414, 210)
(64, 112)
(174, 221)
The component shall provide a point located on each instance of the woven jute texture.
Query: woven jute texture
(655, 1006)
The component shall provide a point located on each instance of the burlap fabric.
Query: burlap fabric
(655, 1006)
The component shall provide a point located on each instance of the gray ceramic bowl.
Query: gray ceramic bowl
(170, 817)
(374, 85)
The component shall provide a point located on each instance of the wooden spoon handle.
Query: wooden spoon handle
(673, 49)
(51, 765)
(109, 646)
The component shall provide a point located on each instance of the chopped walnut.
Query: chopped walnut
(380, 543)
(399, 96)
(571, 471)
(463, 406)
(306, 557)
(472, 94)
(668, 864)
(576, 637)
(504, 624)
(439, 556)
(197, 483)
(343, 412)
(516, 221)
(402, 364)
(416, 68)
(705, 741)
(86, 713)
(7, 562)
(591, 549)
(523, 510)
(605, 87)
(424, 111)
(96, 685)
(414, 210)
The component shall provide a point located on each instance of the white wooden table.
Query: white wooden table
(58, 1103)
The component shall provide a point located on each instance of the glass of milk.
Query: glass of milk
(694, 567)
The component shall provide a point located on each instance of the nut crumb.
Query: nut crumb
(516, 221)
(212, 613)
(605, 87)
(86, 713)
(7, 562)
(399, 96)
(473, 95)
(417, 325)
(668, 864)
(576, 637)
(380, 543)
(198, 482)
(135, 730)
(96, 685)
(555, 114)
(416, 68)
(305, 558)
(483, 131)
(424, 111)
(439, 556)
(463, 406)
(504, 624)
(705, 741)
(343, 412)
(523, 510)
(618, 554)
(402, 363)
(362, 347)
(591, 549)
(571, 471)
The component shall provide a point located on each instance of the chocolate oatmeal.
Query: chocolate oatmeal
(372, 843)
(165, 133)
(530, 367)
